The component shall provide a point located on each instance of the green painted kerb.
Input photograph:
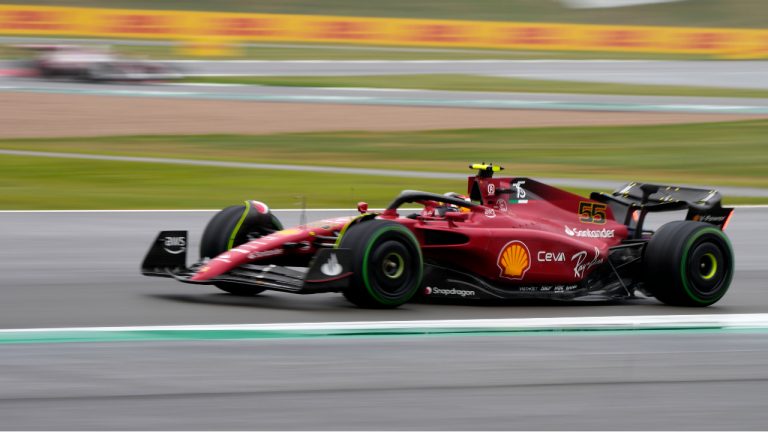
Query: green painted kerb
(86, 336)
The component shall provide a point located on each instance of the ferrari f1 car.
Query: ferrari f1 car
(508, 238)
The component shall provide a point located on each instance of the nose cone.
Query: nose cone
(219, 265)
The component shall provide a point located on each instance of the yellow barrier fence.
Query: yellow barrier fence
(223, 29)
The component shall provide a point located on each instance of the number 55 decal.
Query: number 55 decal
(592, 212)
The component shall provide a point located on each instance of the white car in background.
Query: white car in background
(95, 64)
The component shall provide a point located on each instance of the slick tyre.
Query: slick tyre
(230, 228)
(688, 263)
(387, 264)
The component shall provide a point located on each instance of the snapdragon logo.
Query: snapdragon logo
(448, 292)
(264, 254)
(590, 233)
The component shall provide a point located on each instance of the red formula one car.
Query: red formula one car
(509, 238)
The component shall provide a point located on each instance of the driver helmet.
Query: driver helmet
(461, 197)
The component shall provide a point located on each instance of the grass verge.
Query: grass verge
(728, 153)
(34, 183)
(465, 82)
(46, 183)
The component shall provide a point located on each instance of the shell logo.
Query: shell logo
(514, 260)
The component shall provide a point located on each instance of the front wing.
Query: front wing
(329, 271)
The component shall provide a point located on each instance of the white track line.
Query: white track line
(731, 321)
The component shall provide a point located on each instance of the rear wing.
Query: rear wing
(634, 201)
(657, 194)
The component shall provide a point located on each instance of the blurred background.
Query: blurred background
(124, 106)
(554, 89)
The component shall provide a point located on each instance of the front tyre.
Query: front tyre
(230, 228)
(387, 264)
(688, 263)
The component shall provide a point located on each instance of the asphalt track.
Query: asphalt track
(81, 269)
(707, 73)
(399, 97)
(629, 382)
(734, 74)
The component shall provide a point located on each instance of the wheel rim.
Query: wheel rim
(707, 266)
(392, 268)
(707, 270)
(393, 265)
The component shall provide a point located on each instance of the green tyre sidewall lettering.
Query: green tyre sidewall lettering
(370, 240)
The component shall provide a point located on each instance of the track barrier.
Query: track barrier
(208, 33)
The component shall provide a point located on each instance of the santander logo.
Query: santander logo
(590, 233)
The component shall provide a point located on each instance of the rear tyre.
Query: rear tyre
(387, 264)
(688, 263)
(230, 228)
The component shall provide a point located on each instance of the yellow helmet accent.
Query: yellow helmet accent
(486, 167)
